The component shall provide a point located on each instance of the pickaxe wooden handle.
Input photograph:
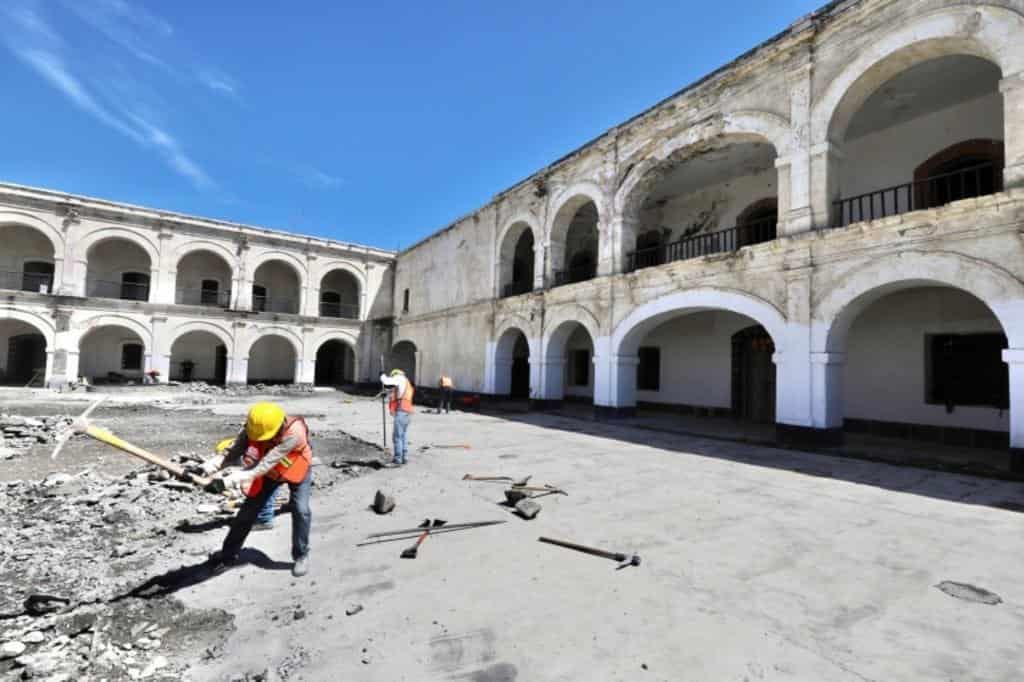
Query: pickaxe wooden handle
(539, 489)
(104, 436)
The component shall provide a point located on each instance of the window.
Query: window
(37, 276)
(259, 298)
(135, 286)
(131, 356)
(968, 370)
(330, 304)
(648, 371)
(405, 301)
(208, 292)
(580, 365)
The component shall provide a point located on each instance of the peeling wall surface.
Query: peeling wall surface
(828, 122)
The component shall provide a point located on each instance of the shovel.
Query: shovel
(410, 552)
(509, 479)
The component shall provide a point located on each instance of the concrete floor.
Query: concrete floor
(758, 564)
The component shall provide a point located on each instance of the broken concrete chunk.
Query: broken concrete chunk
(12, 649)
(528, 508)
(383, 504)
(514, 496)
(34, 637)
(353, 610)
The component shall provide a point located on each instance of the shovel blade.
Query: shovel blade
(409, 553)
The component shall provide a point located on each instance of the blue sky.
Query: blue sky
(376, 125)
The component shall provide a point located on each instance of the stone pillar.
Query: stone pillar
(159, 353)
(1014, 357)
(163, 274)
(309, 291)
(794, 170)
(238, 365)
(78, 283)
(623, 241)
(614, 381)
(538, 265)
(241, 294)
(555, 261)
(825, 160)
(607, 246)
(552, 382)
(305, 362)
(62, 358)
(1012, 88)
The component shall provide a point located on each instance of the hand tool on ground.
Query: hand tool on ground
(539, 489)
(411, 552)
(410, 536)
(520, 482)
(104, 436)
(67, 432)
(450, 526)
(456, 446)
(623, 559)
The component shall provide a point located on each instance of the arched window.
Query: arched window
(757, 222)
(648, 249)
(972, 168)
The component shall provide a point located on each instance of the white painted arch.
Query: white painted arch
(292, 261)
(505, 247)
(986, 31)
(565, 204)
(48, 230)
(219, 331)
(259, 332)
(40, 323)
(330, 266)
(205, 245)
(113, 320)
(109, 232)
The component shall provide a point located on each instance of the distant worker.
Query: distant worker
(447, 388)
(280, 449)
(400, 406)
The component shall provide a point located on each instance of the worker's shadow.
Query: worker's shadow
(187, 576)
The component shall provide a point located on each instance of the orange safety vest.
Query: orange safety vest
(293, 467)
(403, 403)
(446, 382)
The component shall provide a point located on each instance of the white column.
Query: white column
(552, 379)
(827, 389)
(1014, 357)
(614, 377)
(238, 370)
(825, 160)
(608, 261)
(1012, 88)
(555, 261)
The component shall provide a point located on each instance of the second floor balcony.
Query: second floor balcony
(695, 246)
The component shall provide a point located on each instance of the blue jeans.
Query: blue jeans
(301, 517)
(266, 514)
(400, 432)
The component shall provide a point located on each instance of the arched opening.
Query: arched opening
(569, 358)
(22, 354)
(517, 261)
(27, 259)
(699, 202)
(339, 295)
(403, 357)
(204, 278)
(335, 364)
(753, 375)
(924, 363)
(199, 356)
(931, 134)
(118, 268)
(111, 354)
(580, 245)
(272, 360)
(276, 288)
(519, 369)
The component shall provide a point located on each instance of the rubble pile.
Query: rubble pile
(244, 390)
(20, 433)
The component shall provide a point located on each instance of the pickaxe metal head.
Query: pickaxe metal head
(626, 561)
(80, 424)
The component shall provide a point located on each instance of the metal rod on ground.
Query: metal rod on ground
(409, 535)
(450, 526)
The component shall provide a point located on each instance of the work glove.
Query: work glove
(211, 466)
(238, 480)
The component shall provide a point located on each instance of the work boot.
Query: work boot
(301, 566)
(263, 525)
(219, 563)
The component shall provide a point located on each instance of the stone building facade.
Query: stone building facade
(108, 291)
(827, 233)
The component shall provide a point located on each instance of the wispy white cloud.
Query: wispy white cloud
(317, 179)
(39, 46)
(219, 82)
(129, 26)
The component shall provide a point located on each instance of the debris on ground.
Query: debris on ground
(528, 509)
(246, 390)
(20, 433)
(353, 610)
(383, 504)
(969, 593)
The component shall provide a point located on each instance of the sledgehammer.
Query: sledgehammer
(104, 436)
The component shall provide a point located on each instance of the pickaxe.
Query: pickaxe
(520, 482)
(450, 526)
(104, 436)
(539, 489)
(623, 559)
(410, 552)
(67, 432)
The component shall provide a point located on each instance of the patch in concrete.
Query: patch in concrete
(372, 589)
(507, 456)
(452, 652)
(499, 672)
(969, 593)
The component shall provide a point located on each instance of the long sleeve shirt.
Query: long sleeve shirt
(398, 383)
(237, 451)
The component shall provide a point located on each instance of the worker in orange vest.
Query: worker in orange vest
(400, 406)
(447, 388)
(283, 456)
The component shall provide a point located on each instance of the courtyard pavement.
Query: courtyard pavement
(757, 564)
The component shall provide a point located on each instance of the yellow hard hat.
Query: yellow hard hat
(264, 421)
(397, 372)
(224, 445)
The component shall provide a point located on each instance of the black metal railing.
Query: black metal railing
(930, 192)
(269, 304)
(37, 282)
(516, 289)
(723, 241)
(127, 291)
(573, 275)
(214, 298)
(348, 311)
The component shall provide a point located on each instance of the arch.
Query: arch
(331, 266)
(628, 334)
(514, 321)
(568, 202)
(522, 218)
(336, 335)
(403, 356)
(336, 297)
(55, 236)
(291, 260)
(983, 31)
(203, 245)
(740, 126)
(260, 332)
(113, 320)
(562, 318)
(837, 308)
(45, 327)
(217, 330)
(102, 234)
(268, 335)
(508, 241)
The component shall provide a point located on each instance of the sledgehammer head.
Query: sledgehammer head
(632, 560)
